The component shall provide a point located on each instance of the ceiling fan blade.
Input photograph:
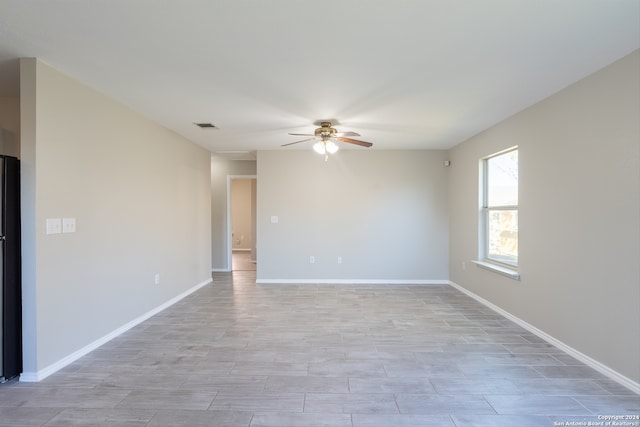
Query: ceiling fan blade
(355, 141)
(302, 134)
(340, 134)
(298, 142)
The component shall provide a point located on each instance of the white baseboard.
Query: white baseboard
(44, 373)
(603, 369)
(220, 270)
(351, 282)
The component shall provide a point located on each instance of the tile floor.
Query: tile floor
(241, 260)
(240, 354)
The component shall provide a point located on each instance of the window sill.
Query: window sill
(505, 271)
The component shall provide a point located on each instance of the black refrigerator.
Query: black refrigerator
(10, 270)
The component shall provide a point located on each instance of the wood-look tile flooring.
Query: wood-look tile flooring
(241, 260)
(240, 354)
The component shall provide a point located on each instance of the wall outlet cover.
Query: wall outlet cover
(68, 225)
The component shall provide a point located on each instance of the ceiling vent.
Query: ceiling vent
(206, 125)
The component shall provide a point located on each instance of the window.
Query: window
(500, 209)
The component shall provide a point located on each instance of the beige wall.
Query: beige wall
(579, 216)
(10, 120)
(141, 198)
(383, 212)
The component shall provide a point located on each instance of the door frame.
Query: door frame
(230, 222)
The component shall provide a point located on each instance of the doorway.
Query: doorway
(242, 222)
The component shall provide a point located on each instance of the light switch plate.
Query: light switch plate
(274, 219)
(54, 226)
(68, 225)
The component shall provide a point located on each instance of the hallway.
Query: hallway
(238, 354)
(241, 261)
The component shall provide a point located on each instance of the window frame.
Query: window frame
(503, 266)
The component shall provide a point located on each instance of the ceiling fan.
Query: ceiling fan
(325, 135)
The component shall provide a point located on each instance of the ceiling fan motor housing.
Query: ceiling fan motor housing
(325, 131)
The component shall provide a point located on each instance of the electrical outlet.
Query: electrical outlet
(156, 278)
(339, 260)
(68, 225)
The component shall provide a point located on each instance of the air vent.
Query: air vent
(206, 125)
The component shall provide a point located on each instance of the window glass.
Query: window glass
(502, 179)
(503, 236)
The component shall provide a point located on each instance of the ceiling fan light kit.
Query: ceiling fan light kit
(324, 147)
(326, 134)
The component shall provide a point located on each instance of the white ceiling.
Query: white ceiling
(403, 74)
